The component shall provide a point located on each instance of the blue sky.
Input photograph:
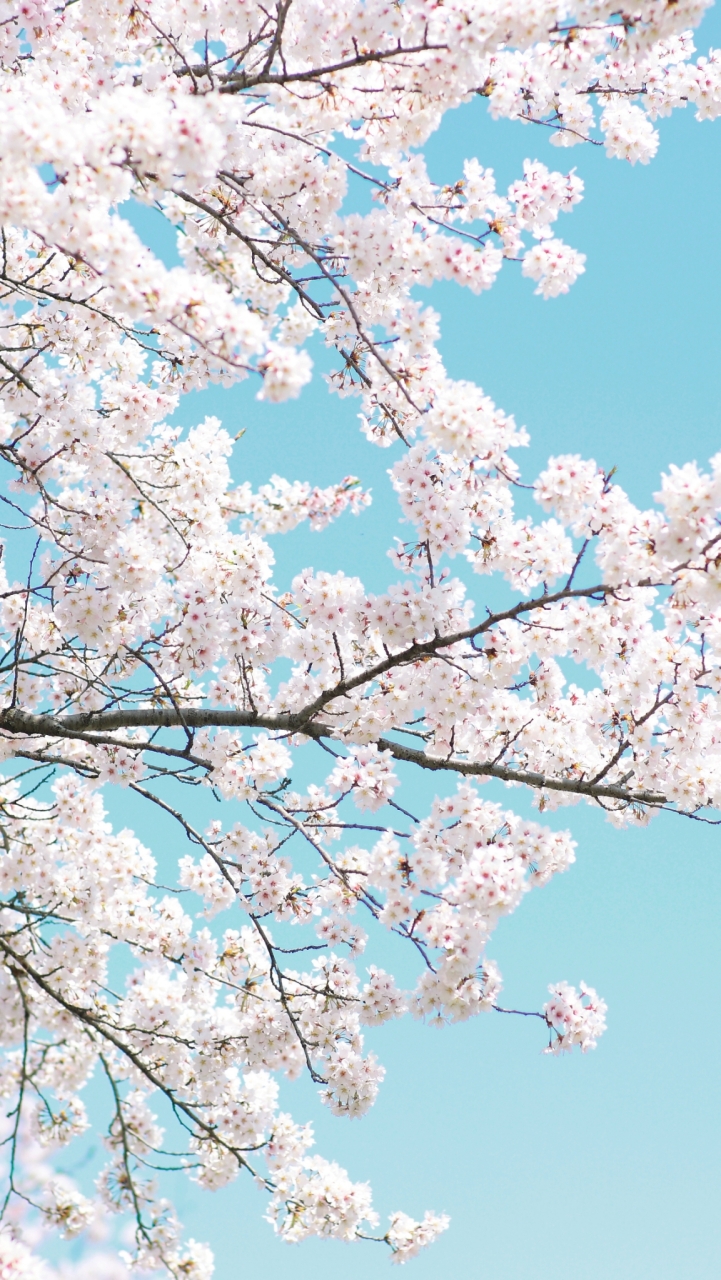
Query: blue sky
(603, 1166)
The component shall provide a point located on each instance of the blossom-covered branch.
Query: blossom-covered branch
(144, 642)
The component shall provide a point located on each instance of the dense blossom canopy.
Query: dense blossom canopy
(146, 645)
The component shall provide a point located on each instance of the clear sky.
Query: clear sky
(597, 1167)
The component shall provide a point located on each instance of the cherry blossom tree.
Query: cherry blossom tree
(146, 646)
